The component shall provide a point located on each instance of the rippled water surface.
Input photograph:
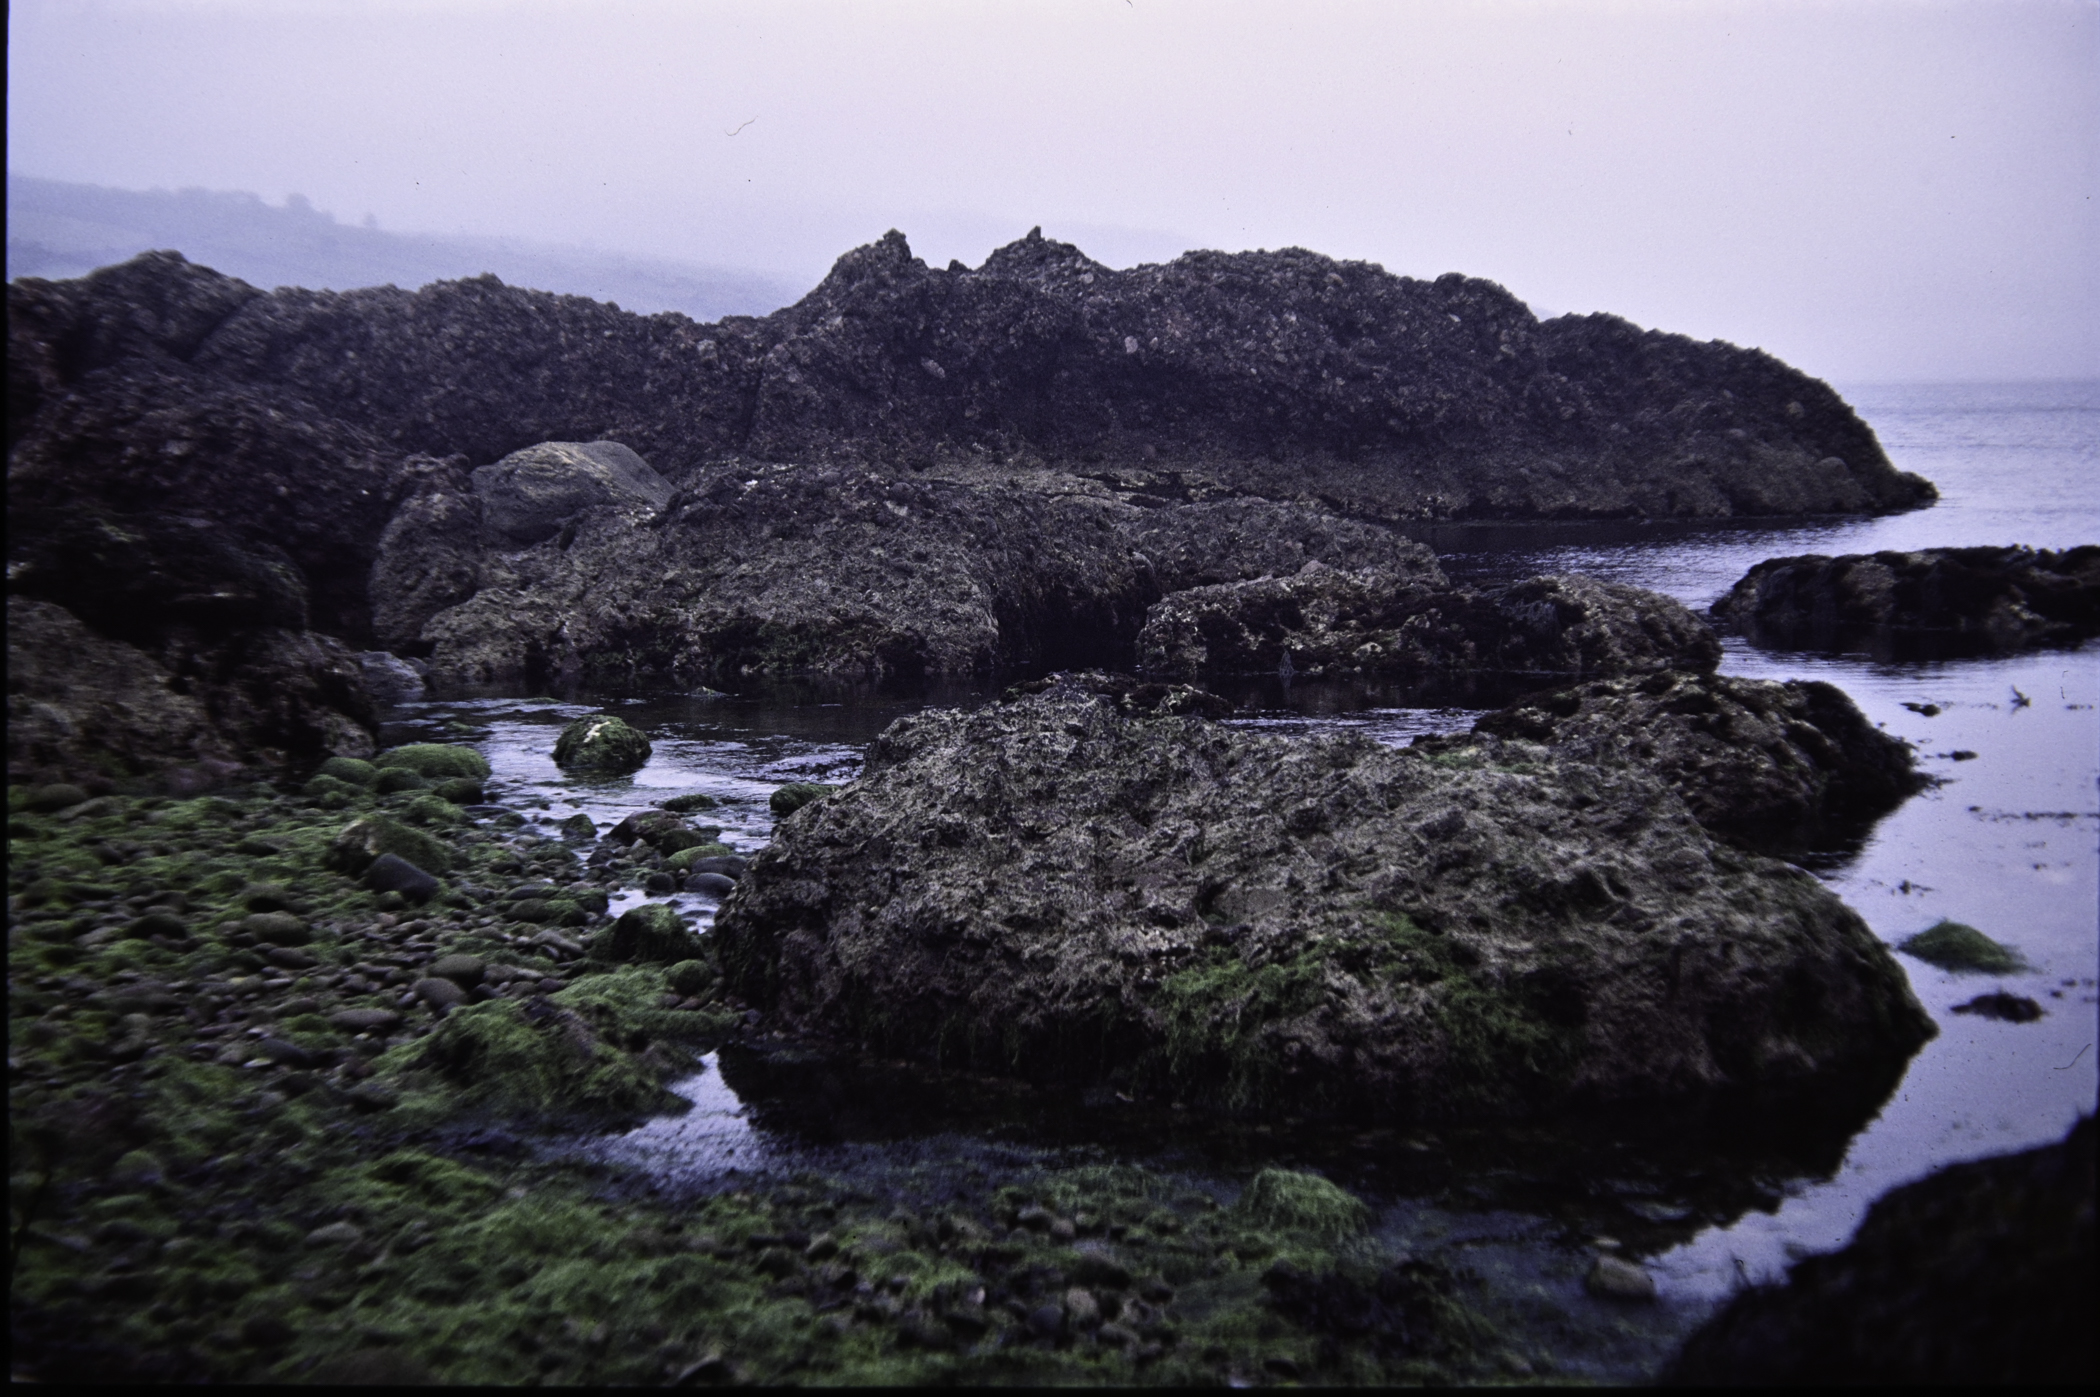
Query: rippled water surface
(2008, 841)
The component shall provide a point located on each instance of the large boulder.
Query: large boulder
(1776, 766)
(529, 495)
(601, 743)
(1325, 621)
(1065, 889)
(1979, 1273)
(1934, 602)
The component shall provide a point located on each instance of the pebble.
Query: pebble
(364, 1020)
(463, 970)
(1082, 1308)
(390, 873)
(335, 1234)
(1047, 1320)
(713, 884)
(1616, 1278)
(440, 995)
(290, 958)
(278, 928)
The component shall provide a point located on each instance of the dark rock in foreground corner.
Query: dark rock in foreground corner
(1935, 603)
(1767, 764)
(1979, 1273)
(1327, 622)
(1054, 888)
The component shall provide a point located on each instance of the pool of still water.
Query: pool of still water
(2004, 840)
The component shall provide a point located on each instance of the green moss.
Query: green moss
(435, 760)
(350, 769)
(796, 794)
(433, 810)
(1291, 1201)
(364, 840)
(513, 1065)
(600, 743)
(652, 932)
(686, 804)
(1218, 1014)
(683, 859)
(1954, 946)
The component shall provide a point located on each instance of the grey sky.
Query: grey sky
(1867, 190)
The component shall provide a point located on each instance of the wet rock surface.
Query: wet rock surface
(1770, 765)
(1329, 622)
(1979, 1273)
(1934, 603)
(1054, 888)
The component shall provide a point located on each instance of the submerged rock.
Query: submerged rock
(1054, 888)
(1931, 603)
(1325, 621)
(1979, 1273)
(1959, 947)
(1764, 763)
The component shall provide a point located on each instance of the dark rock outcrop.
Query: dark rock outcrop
(1063, 889)
(1938, 602)
(1980, 1273)
(827, 570)
(1775, 766)
(1052, 447)
(1323, 621)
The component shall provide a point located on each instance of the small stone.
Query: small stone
(153, 924)
(579, 827)
(390, 873)
(463, 970)
(278, 928)
(289, 958)
(335, 1234)
(1047, 1321)
(1616, 1278)
(1115, 1335)
(1063, 1230)
(796, 794)
(46, 799)
(265, 897)
(373, 1096)
(440, 995)
(1081, 1308)
(285, 1054)
(712, 884)
(364, 1020)
(685, 805)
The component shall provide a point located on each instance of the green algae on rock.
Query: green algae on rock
(600, 743)
(796, 794)
(435, 760)
(651, 932)
(1959, 947)
(1290, 1200)
(1058, 889)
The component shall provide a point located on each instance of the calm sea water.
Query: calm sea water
(2008, 841)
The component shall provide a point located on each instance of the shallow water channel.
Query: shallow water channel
(1707, 1197)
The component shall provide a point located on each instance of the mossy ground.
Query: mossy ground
(1954, 946)
(1502, 1044)
(214, 1179)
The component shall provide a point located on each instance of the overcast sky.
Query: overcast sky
(1868, 190)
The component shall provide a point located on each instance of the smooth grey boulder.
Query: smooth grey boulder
(1067, 889)
(529, 495)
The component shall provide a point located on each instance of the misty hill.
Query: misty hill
(57, 229)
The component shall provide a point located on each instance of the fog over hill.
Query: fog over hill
(57, 229)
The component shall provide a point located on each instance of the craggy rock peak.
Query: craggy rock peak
(1773, 766)
(1064, 889)
(1937, 603)
(1324, 621)
(1980, 1273)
